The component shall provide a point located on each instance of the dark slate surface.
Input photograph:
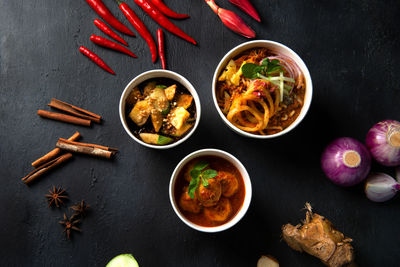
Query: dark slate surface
(352, 51)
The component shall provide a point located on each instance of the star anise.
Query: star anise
(70, 225)
(80, 209)
(56, 196)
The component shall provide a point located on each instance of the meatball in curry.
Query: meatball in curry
(209, 191)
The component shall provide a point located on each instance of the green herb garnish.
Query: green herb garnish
(267, 67)
(198, 175)
(161, 86)
(271, 66)
(268, 70)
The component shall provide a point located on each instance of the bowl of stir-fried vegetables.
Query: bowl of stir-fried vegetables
(159, 109)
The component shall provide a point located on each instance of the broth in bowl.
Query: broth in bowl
(209, 191)
(261, 91)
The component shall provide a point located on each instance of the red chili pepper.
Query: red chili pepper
(107, 30)
(110, 44)
(162, 20)
(105, 13)
(160, 40)
(96, 59)
(140, 27)
(167, 11)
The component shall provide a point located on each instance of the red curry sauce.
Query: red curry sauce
(220, 165)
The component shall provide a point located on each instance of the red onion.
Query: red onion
(291, 67)
(346, 161)
(383, 141)
(381, 187)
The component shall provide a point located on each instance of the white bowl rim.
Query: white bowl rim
(188, 86)
(303, 67)
(247, 182)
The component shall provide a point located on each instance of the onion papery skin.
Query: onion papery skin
(381, 187)
(335, 168)
(378, 143)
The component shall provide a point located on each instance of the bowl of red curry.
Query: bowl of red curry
(262, 89)
(210, 190)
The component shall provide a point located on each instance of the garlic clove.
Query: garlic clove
(267, 261)
(381, 187)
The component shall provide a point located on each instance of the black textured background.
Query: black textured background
(352, 51)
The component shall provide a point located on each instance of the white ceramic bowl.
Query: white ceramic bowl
(277, 47)
(158, 74)
(247, 185)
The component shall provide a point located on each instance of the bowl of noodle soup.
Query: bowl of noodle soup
(262, 89)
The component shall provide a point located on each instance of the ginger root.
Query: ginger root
(318, 237)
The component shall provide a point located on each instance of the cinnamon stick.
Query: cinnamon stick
(63, 117)
(88, 145)
(79, 112)
(89, 149)
(55, 152)
(36, 173)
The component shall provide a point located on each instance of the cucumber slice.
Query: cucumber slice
(163, 140)
(166, 110)
(155, 139)
(123, 260)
